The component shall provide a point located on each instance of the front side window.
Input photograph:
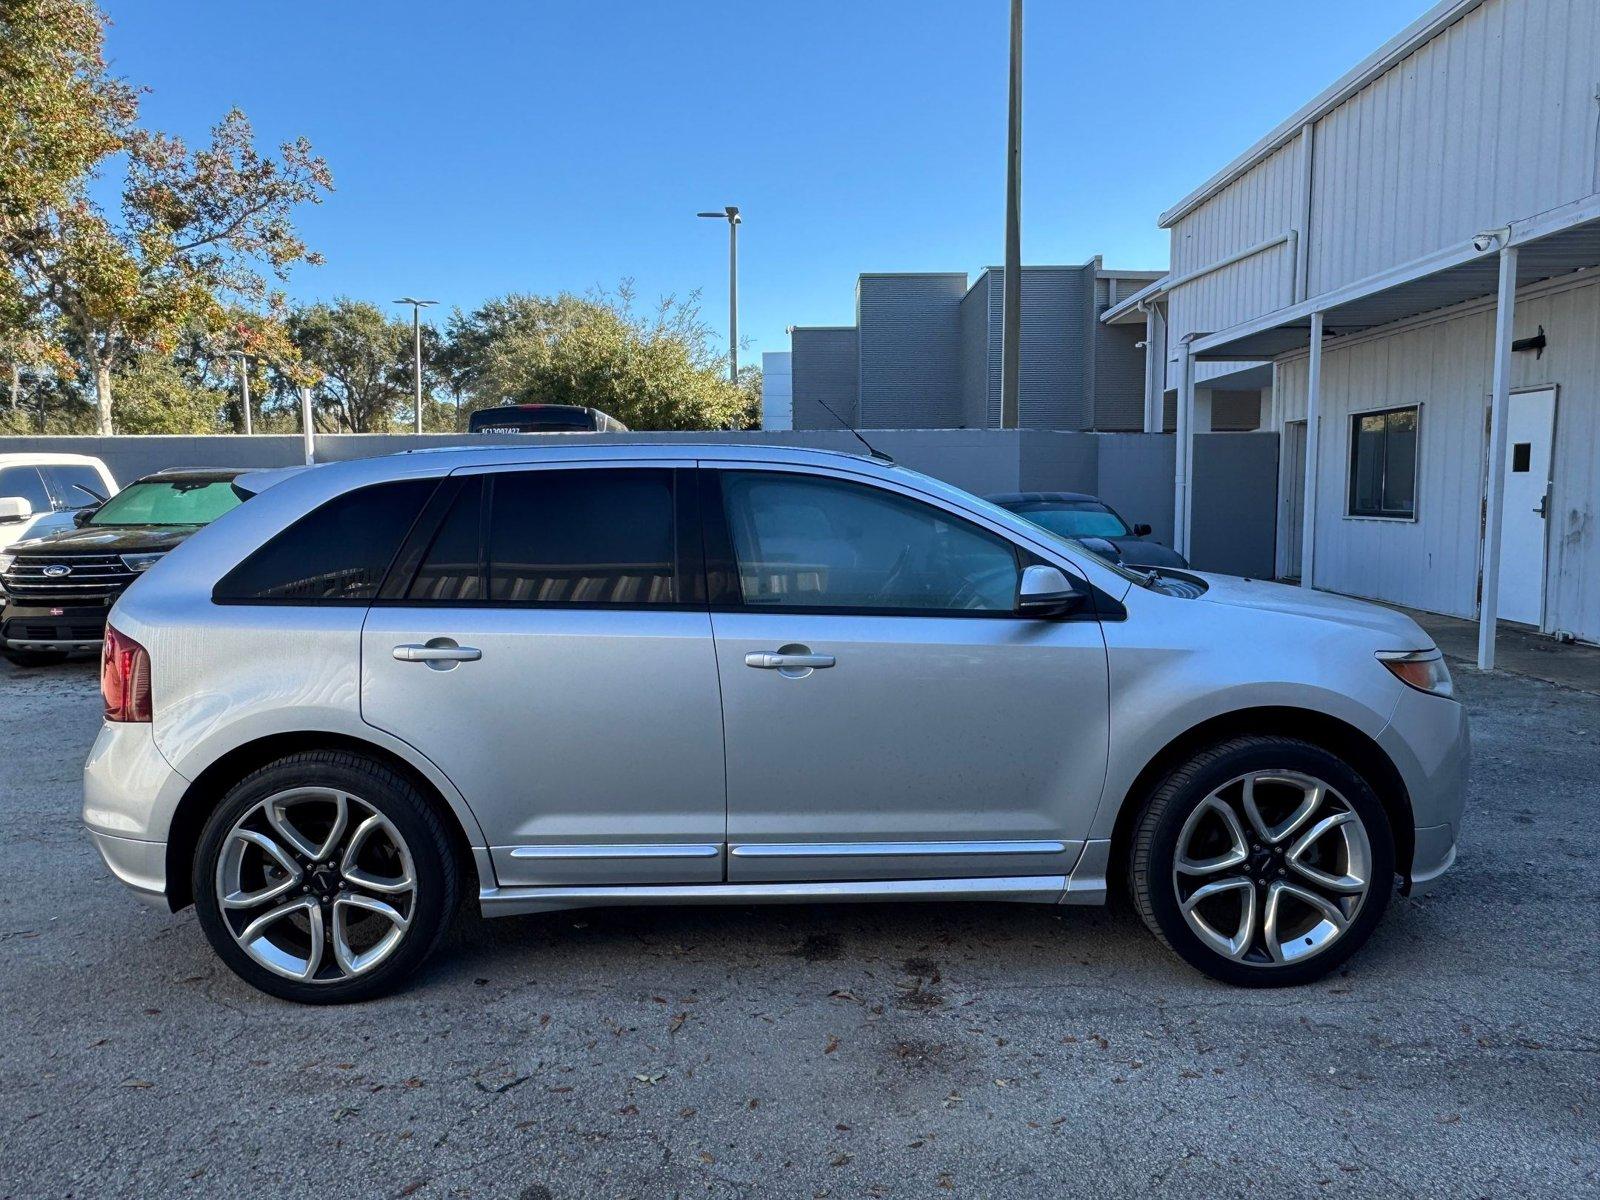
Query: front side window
(1383, 463)
(582, 537)
(803, 541)
(337, 553)
(169, 502)
(25, 482)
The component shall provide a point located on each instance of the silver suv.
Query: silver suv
(624, 674)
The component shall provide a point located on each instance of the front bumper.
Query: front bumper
(130, 792)
(1428, 741)
(52, 627)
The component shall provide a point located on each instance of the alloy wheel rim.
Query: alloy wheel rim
(316, 885)
(1272, 868)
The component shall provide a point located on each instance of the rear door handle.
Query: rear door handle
(768, 660)
(440, 650)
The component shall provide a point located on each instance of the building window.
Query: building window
(1383, 463)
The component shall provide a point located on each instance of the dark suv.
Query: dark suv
(59, 588)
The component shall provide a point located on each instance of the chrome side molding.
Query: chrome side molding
(888, 849)
(618, 850)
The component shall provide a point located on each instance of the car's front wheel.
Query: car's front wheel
(1264, 861)
(324, 877)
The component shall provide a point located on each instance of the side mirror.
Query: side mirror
(1046, 592)
(1141, 531)
(14, 508)
(83, 515)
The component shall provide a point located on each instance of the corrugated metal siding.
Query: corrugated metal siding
(1445, 366)
(823, 364)
(975, 355)
(1493, 120)
(1254, 208)
(910, 348)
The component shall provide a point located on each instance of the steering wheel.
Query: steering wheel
(892, 579)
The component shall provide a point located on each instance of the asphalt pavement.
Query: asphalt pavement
(819, 1051)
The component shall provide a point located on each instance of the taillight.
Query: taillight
(124, 678)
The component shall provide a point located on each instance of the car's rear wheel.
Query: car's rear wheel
(325, 878)
(34, 658)
(1265, 861)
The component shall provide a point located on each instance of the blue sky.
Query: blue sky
(487, 146)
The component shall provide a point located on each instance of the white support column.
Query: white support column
(308, 429)
(1505, 316)
(1183, 453)
(1155, 374)
(1308, 520)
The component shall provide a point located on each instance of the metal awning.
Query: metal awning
(1556, 243)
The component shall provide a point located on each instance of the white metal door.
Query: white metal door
(1530, 435)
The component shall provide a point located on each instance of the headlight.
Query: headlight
(1421, 669)
(139, 563)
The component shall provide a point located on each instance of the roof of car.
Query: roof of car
(191, 474)
(619, 445)
(47, 458)
(1044, 498)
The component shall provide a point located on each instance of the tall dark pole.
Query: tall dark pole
(1011, 321)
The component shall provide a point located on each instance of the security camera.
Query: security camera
(1491, 239)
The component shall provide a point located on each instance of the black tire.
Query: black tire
(1154, 849)
(34, 658)
(437, 873)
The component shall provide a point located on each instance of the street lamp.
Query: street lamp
(416, 334)
(730, 214)
(244, 384)
(1011, 289)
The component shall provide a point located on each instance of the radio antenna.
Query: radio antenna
(871, 449)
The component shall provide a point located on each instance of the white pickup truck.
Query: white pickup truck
(41, 493)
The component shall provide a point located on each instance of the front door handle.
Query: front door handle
(779, 660)
(439, 650)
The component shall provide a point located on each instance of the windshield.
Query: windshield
(173, 502)
(1075, 520)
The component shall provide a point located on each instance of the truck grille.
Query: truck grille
(90, 579)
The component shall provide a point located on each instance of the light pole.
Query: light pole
(1011, 301)
(416, 335)
(731, 215)
(244, 384)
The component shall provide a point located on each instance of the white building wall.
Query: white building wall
(1443, 363)
(1491, 121)
(777, 390)
(1494, 119)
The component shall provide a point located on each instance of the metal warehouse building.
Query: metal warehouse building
(924, 353)
(1407, 267)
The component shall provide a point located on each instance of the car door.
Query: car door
(546, 642)
(887, 713)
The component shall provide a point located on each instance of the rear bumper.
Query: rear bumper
(140, 865)
(130, 792)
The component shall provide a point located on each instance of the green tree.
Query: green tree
(364, 356)
(193, 229)
(655, 371)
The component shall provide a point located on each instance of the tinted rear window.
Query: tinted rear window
(521, 420)
(582, 537)
(336, 553)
